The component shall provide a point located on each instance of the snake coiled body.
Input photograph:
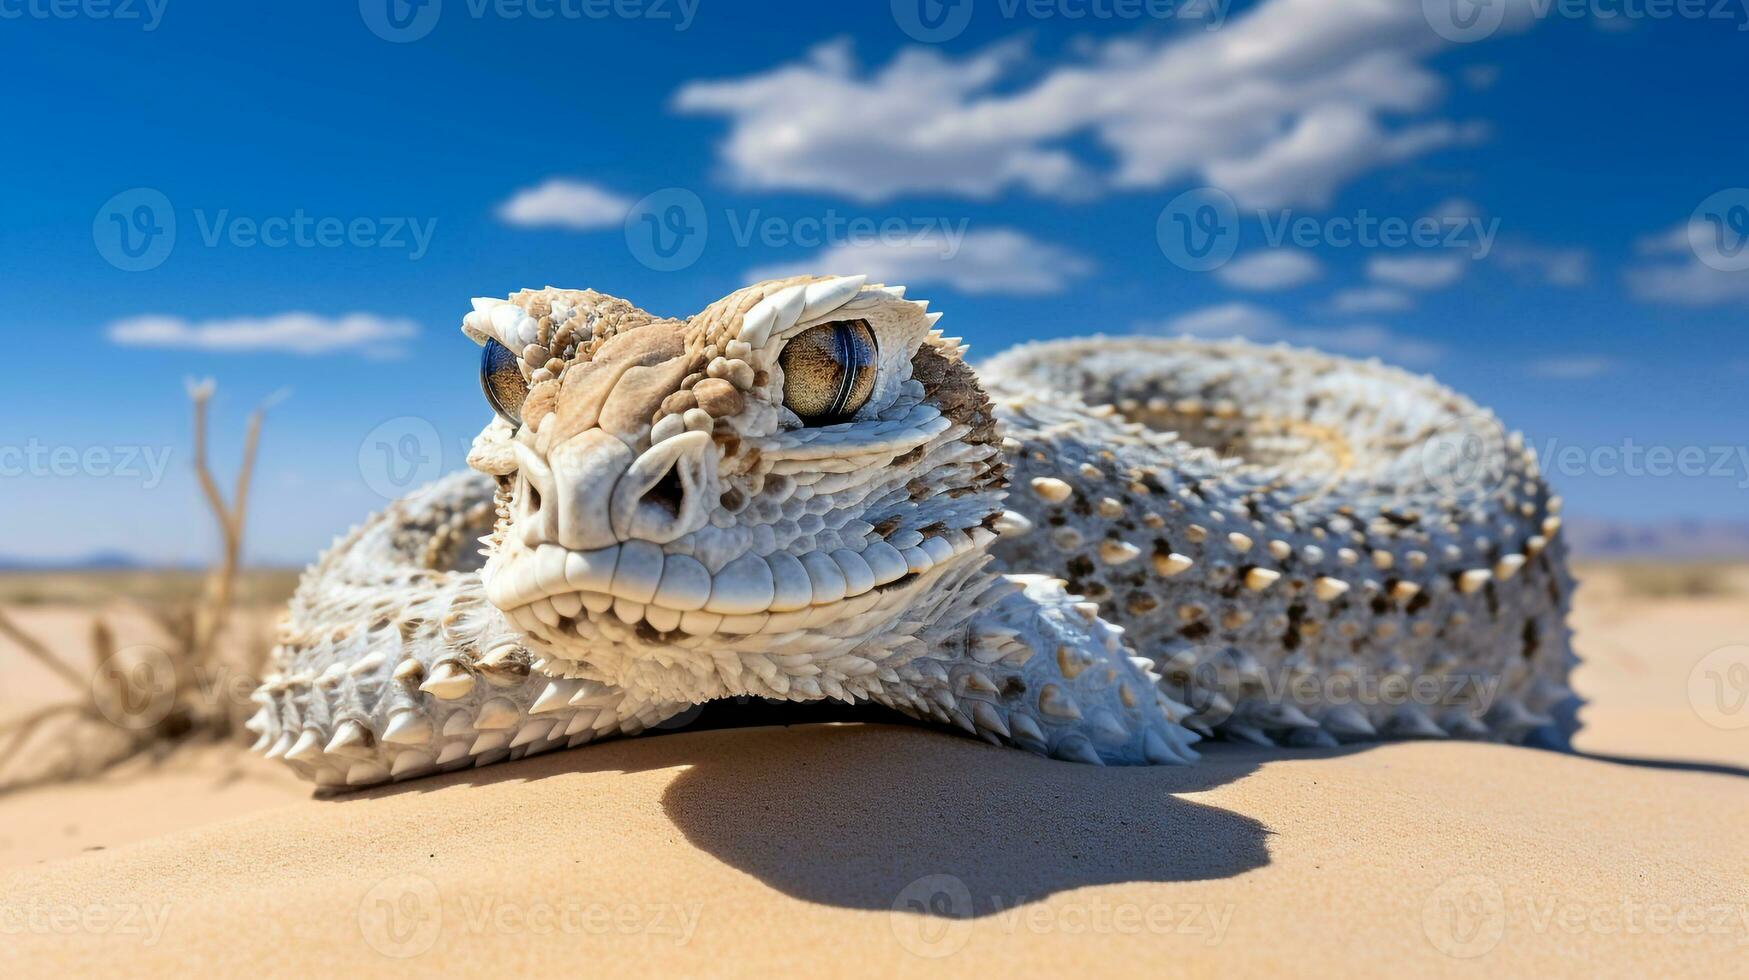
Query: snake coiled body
(1105, 549)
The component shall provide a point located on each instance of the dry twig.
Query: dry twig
(194, 632)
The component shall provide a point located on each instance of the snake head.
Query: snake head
(796, 468)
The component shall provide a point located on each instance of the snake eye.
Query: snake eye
(502, 381)
(829, 371)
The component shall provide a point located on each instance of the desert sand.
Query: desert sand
(869, 849)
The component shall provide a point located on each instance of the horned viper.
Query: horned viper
(1098, 549)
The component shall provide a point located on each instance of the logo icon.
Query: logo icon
(1199, 229)
(1466, 456)
(400, 21)
(136, 688)
(135, 230)
(931, 917)
(1464, 21)
(667, 230)
(1204, 697)
(1718, 231)
(401, 916)
(1465, 917)
(400, 454)
(932, 21)
(1718, 688)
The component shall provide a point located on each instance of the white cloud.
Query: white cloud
(1565, 267)
(1282, 106)
(1225, 320)
(1281, 268)
(997, 260)
(1688, 283)
(1671, 242)
(1456, 210)
(1573, 367)
(562, 203)
(1418, 271)
(1481, 77)
(1684, 280)
(1327, 147)
(1265, 326)
(1371, 299)
(292, 333)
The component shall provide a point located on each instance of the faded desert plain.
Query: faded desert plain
(891, 850)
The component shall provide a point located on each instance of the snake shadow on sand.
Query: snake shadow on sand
(864, 815)
(854, 814)
(870, 812)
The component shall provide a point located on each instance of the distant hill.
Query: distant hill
(1676, 540)
(97, 561)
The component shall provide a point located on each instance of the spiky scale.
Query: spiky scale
(409, 763)
(452, 752)
(533, 731)
(408, 728)
(1411, 721)
(1247, 733)
(1347, 721)
(1107, 728)
(1076, 748)
(1260, 579)
(352, 739)
(987, 717)
(497, 714)
(1026, 729)
(1158, 751)
(281, 746)
(1054, 702)
(448, 682)
(556, 697)
(307, 748)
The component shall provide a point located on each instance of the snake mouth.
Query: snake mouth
(665, 596)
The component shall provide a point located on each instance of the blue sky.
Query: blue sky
(1018, 160)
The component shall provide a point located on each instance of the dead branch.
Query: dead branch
(194, 630)
(214, 615)
(19, 730)
(35, 648)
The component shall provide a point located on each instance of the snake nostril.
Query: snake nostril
(529, 505)
(663, 494)
(669, 493)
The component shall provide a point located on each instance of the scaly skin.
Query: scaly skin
(661, 530)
